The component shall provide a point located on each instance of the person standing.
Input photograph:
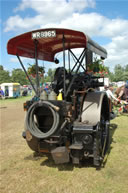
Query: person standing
(1, 93)
(111, 97)
(126, 91)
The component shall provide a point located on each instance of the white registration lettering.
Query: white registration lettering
(33, 35)
(38, 34)
(50, 34)
(44, 34)
(53, 33)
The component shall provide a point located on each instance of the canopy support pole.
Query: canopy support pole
(77, 59)
(69, 61)
(89, 58)
(63, 40)
(26, 74)
(80, 62)
(73, 79)
(37, 69)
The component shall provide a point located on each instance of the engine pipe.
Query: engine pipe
(37, 69)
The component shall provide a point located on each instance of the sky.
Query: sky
(105, 21)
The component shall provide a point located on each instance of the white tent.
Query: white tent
(11, 89)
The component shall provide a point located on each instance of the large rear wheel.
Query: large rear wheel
(101, 141)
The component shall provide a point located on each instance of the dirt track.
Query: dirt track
(13, 146)
(12, 125)
(10, 114)
(12, 122)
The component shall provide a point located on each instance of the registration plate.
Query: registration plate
(44, 34)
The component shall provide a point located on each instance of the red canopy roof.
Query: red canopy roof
(50, 41)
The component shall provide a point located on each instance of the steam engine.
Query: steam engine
(74, 128)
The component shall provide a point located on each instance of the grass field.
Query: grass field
(24, 172)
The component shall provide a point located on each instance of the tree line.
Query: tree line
(120, 73)
(18, 75)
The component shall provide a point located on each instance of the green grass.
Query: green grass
(15, 100)
(24, 172)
